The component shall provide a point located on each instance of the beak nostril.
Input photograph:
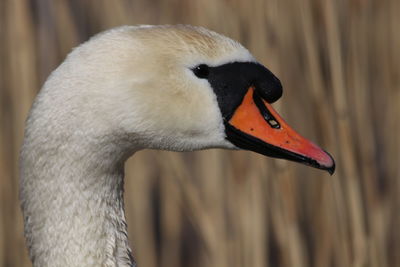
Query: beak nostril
(274, 124)
(268, 117)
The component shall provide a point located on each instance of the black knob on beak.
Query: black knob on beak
(268, 86)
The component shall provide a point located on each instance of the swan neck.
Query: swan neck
(73, 206)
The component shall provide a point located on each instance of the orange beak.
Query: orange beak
(256, 126)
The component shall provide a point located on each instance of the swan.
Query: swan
(178, 88)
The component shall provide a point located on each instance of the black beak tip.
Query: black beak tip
(332, 168)
(313, 163)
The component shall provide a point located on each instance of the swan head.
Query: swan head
(178, 88)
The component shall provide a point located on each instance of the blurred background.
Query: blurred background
(339, 62)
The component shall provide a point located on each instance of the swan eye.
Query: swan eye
(201, 71)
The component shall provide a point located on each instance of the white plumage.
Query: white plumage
(126, 89)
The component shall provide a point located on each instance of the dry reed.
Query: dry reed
(339, 62)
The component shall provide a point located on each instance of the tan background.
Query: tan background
(339, 62)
